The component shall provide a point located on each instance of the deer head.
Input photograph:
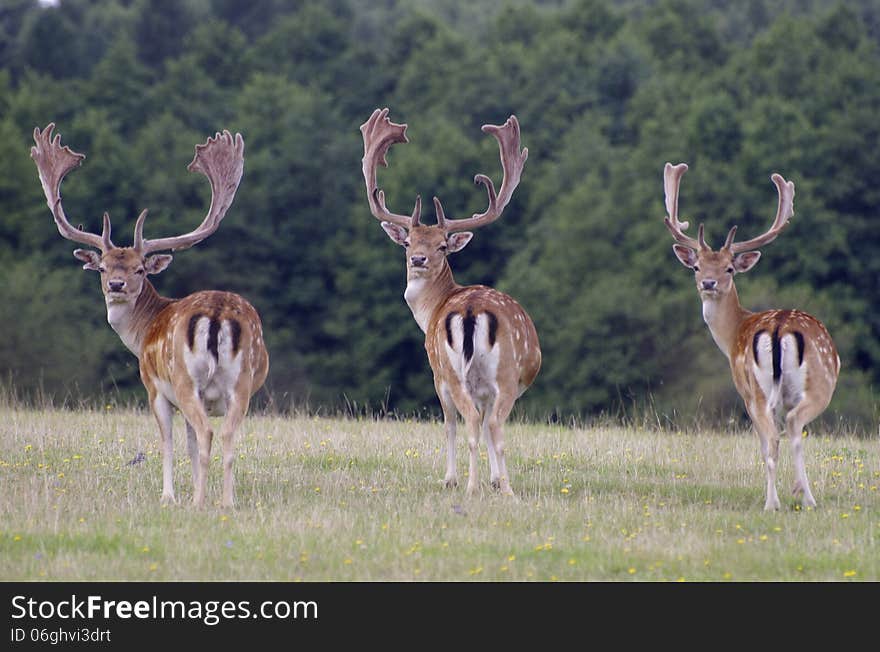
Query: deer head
(123, 269)
(714, 270)
(428, 246)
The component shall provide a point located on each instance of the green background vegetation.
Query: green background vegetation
(606, 93)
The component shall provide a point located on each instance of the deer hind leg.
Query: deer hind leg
(468, 410)
(497, 417)
(486, 431)
(795, 422)
(194, 412)
(192, 448)
(765, 426)
(237, 406)
(164, 414)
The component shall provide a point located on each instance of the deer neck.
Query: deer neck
(424, 294)
(723, 315)
(131, 319)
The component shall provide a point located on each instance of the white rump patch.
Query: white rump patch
(214, 379)
(763, 368)
(478, 376)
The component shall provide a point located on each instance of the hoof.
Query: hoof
(452, 483)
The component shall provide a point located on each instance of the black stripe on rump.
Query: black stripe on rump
(235, 329)
(755, 344)
(214, 337)
(493, 327)
(469, 324)
(449, 327)
(191, 330)
(799, 337)
(777, 357)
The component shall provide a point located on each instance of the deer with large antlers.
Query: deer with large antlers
(204, 353)
(482, 346)
(783, 361)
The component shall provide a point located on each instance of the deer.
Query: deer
(203, 354)
(482, 346)
(782, 361)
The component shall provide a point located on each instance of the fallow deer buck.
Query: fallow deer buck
(783, 361)
(481, 344)
(203, 353)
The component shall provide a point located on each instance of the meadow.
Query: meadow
(349, 499)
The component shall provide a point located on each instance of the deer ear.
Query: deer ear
(92, 259)
(396, 233)
(458, 241)
(745, 261)
(157, 263)
(686, 255)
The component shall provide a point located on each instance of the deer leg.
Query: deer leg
(795, 421)
(450, 424)
(237, 406)
(765, 426)
(468, 410)
(498, 416)
(195, 415)
(164, 414)
(192, 448)
(494, 473)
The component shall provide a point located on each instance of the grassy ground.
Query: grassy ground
(346, 499)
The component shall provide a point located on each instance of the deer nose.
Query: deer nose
(709, 284)
(115, 286)
(418, 261)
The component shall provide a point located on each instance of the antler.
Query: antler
(379, 135)
(221, 159)
(784, 212)
(672, 175)
(53, 163)
(512, 161)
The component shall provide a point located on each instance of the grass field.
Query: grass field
(347, 499)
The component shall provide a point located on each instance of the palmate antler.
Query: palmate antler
(785, 210)
(221, 159)
(53, 163)
(380, 133)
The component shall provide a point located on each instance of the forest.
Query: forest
(605, 93)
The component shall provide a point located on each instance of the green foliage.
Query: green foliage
(606, 93)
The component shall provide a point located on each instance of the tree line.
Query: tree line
(605, 92)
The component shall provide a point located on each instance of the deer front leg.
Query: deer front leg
(163, 413)
(450, 425)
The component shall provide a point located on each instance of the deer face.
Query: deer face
(714, 270)
(426, 247)
(123, 270)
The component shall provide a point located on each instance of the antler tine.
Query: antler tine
(53, 163)
(512, 162)
(672, 175)
(379, 135)
(221, 159)
(784, 212)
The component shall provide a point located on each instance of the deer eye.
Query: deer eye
(696, 269)
(442, 247)
(140, 271)
(730, 270)
(406, 243)
(102, 269)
